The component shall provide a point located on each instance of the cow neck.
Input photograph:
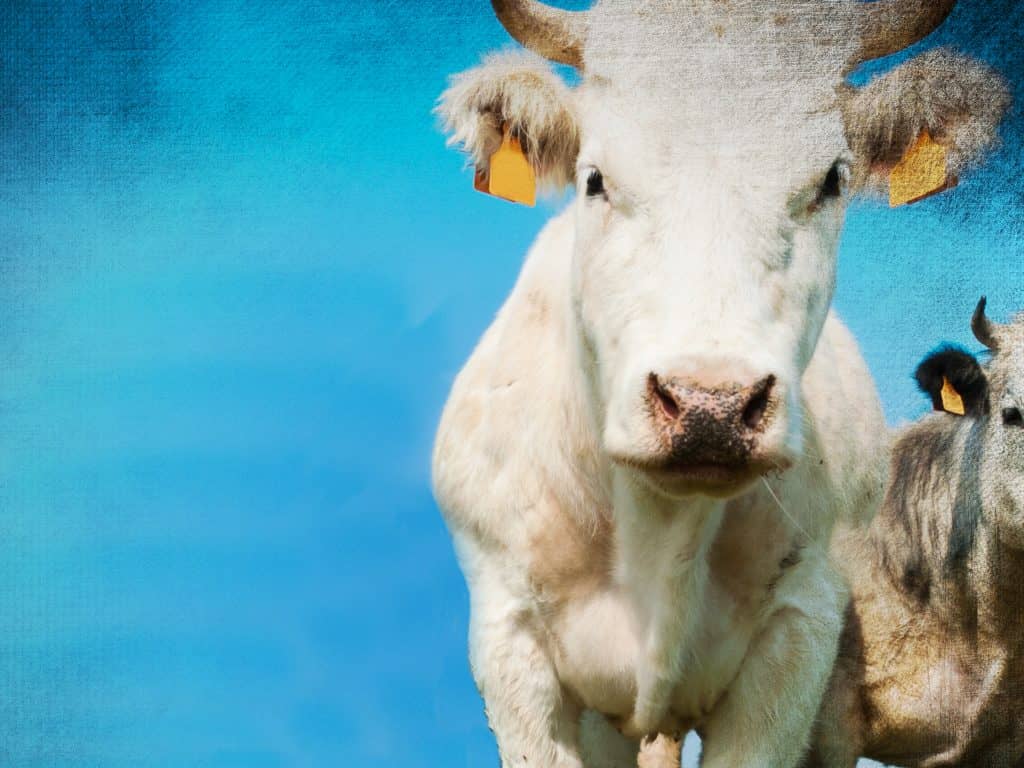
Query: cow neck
(661, 551)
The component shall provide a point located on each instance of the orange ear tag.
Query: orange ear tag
(921, 173)
(951, 400)
(511, 177)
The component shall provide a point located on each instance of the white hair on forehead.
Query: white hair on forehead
(734, 79)
(710, 42)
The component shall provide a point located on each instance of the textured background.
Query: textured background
(238, 270)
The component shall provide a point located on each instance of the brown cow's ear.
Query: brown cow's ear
(957, 101)
(955, 382)
(517, 92)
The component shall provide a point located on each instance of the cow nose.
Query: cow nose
(709, 423)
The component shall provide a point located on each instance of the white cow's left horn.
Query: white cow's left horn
(888, 26)
(553, 33)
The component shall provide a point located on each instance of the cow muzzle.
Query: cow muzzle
(713, 430)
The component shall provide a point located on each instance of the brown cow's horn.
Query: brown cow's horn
(553, 33)
(888, 26)
(984, 329)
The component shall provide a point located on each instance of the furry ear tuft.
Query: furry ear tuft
(952, 367)
(958, 100)
(520, 90)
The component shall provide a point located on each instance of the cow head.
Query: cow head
(991, 397)
(714, 147)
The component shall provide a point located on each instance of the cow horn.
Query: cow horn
(888, 26)
(984, 329)
(553, 33)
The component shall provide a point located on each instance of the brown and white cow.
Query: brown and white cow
(642, 462)
(931, 666)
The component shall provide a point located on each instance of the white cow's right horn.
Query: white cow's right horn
(888, 26)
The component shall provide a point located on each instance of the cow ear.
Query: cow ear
(955, 382)
(956, 100)
(517, 91)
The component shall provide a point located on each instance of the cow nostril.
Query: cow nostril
(668, 403)
(755, 409)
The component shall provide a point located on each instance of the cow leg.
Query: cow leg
(835, 741)
(660, 752)
(765, 718)
(603, 746)
(534, 723)
(838, 736)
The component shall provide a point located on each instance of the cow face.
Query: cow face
(1004, 460)
(714, 147)
(992, 399)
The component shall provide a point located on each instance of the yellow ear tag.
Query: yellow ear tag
(951, 400)
(511, 176)
(920, 174)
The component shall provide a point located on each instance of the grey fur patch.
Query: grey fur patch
(967, 505)
(929, 519)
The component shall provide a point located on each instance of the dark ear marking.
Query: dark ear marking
(964, 376)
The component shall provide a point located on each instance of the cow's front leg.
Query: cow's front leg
(534, 722)
(972, 721)
(766, 716)
(660, 751)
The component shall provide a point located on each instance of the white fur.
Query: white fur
(595, 588)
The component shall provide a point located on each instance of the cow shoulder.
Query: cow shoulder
(512, 448)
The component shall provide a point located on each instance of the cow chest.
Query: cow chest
(597, 637)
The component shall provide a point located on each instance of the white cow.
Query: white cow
(642, 462)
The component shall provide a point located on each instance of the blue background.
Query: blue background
(238, 271)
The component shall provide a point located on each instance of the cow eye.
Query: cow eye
(1012, 417)
(595, 184)
(832, 186)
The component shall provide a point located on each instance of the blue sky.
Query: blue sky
(238, 271)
